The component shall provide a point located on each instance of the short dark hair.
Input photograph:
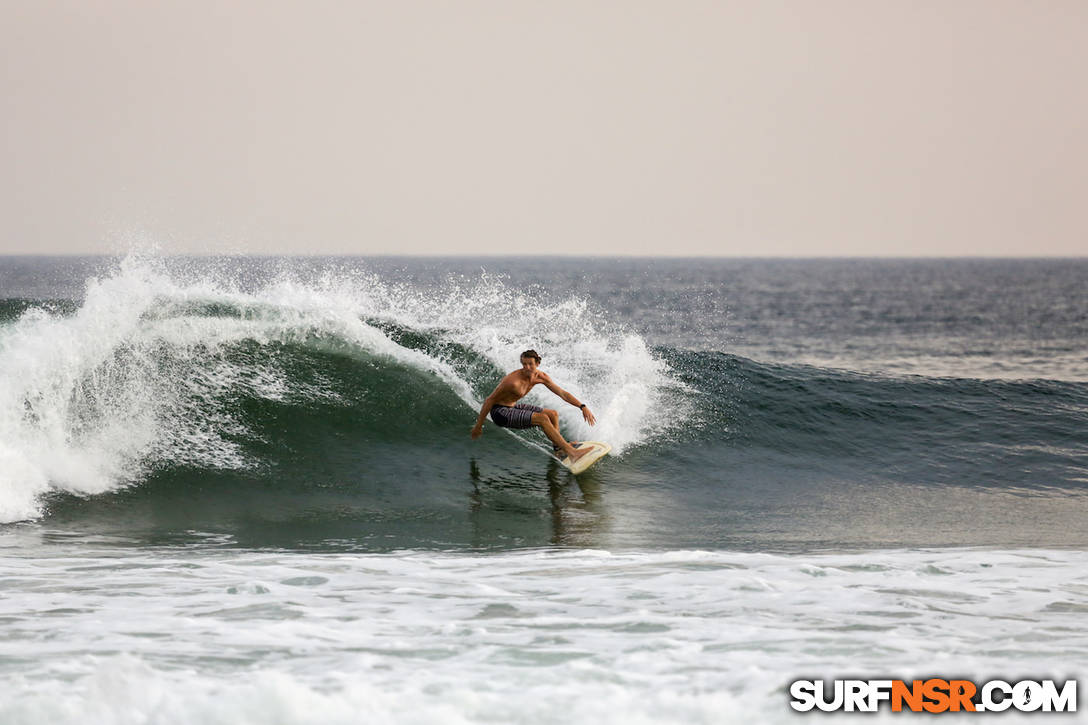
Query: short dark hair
(532, 354)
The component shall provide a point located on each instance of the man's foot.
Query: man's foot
(578, 453)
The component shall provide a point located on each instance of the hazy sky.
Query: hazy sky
(470, 127)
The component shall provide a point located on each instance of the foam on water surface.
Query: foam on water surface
(219, 635)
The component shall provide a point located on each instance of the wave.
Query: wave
(153, 372)
(916, 429)
(158, 377)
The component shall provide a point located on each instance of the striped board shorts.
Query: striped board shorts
(517, 416)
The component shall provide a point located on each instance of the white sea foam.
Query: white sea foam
(89, 401)
(607, 367)
(199, 635)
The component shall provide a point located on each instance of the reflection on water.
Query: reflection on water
(576, 507)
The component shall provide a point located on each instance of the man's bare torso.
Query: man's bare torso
(515, 386)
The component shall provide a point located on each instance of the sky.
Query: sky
(445, 127)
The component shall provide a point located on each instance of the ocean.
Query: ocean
(243, 490)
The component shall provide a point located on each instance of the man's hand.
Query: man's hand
(476, 431)
(588, 415)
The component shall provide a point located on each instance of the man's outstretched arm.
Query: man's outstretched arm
(586, 413)
(484, 410)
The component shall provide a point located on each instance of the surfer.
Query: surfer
(507, 412)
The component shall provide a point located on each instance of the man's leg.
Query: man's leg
(552, 431)
(554, 415)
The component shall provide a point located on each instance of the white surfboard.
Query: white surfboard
(597, 451)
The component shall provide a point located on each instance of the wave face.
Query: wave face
(912, 429)
(335, 403)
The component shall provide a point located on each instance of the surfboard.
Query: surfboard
(598, 451)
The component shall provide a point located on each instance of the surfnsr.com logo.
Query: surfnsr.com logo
(933, 695)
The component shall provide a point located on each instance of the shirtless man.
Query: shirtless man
(506, 412)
